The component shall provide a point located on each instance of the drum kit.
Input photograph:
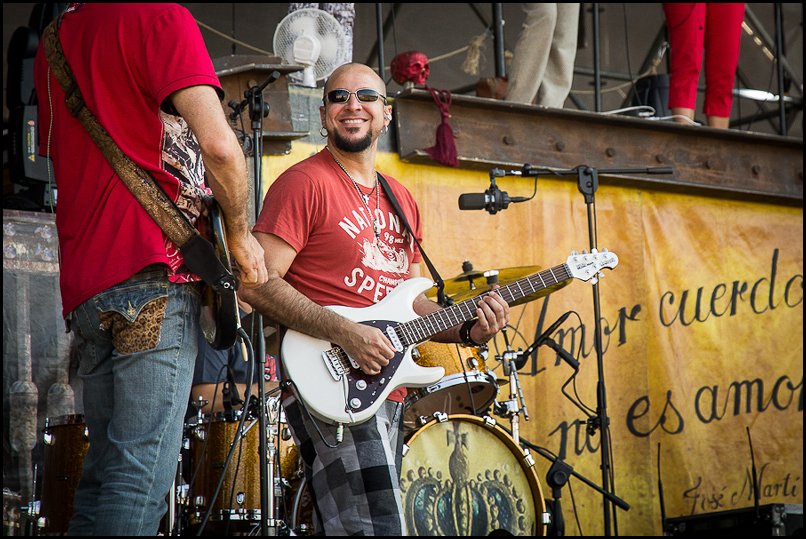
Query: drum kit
(461, 474)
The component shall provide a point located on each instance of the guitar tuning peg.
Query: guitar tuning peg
(601, 274)
(604, 250)
(584, 252)
(594, 251)
(594, 280)
(574, 253)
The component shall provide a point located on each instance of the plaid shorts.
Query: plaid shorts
(356, 484)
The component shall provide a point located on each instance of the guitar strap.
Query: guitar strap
(434, 273)
(199, 254)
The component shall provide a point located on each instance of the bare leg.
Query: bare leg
(719, 121)
(687, 113)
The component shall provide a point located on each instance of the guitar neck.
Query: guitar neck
(423, 328)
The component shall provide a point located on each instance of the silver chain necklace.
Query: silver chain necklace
(376, 226)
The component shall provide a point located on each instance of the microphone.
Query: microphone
(571, 360)
(544, 338)
(492, 200)
(552, 328)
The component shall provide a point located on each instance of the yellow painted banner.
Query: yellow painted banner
(702, 338)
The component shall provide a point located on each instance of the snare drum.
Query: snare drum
(460, 391)
(465, 476)
(66, 443)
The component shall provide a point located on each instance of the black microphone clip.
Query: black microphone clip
(497, 199)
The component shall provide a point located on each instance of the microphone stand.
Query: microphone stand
(259, 109)
(558, 476)
(588, 183)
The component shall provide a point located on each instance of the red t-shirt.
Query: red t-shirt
(315, 208)
(127, 59)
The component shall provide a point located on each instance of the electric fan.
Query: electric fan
(312, 38)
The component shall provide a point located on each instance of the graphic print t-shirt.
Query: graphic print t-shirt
(127, 59)
(315, 208)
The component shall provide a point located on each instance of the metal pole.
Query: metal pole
(779, 53)
(379, 24)
(498, 39)
(597, 77)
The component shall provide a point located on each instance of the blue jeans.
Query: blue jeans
(137, 344)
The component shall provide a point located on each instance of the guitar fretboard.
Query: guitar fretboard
(423, 328)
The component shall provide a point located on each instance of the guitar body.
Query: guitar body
(329, 398)
(220, 317)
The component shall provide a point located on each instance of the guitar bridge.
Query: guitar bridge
(334, 364)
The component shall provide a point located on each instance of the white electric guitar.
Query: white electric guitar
(333, 387)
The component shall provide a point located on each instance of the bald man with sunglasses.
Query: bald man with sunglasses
(331, 237)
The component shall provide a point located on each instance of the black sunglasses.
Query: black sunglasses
(365, 95)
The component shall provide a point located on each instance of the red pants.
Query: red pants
(717, 28)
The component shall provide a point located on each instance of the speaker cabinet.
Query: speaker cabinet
(773, 519)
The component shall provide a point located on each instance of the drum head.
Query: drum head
(463, 477)
(465, 393)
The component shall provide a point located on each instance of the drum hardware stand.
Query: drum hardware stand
(178, 497)
(272, 414)
(170, 516)
(259, 109)
(588, 183)
(513, 407)
(33, 508)
(198, 405)
(516, 403)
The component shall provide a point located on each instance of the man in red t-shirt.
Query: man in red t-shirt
(144, 73)
(332, 238)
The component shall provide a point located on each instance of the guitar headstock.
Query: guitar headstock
(588, 266)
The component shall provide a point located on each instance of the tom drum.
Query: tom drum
(463, 390)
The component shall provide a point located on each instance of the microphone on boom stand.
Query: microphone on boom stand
(492, 200)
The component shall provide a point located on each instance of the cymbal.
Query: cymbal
(540, 293)
(471, 283)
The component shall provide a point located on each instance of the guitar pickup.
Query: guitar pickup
(392, 334)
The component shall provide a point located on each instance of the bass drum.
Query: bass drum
(464, 476)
